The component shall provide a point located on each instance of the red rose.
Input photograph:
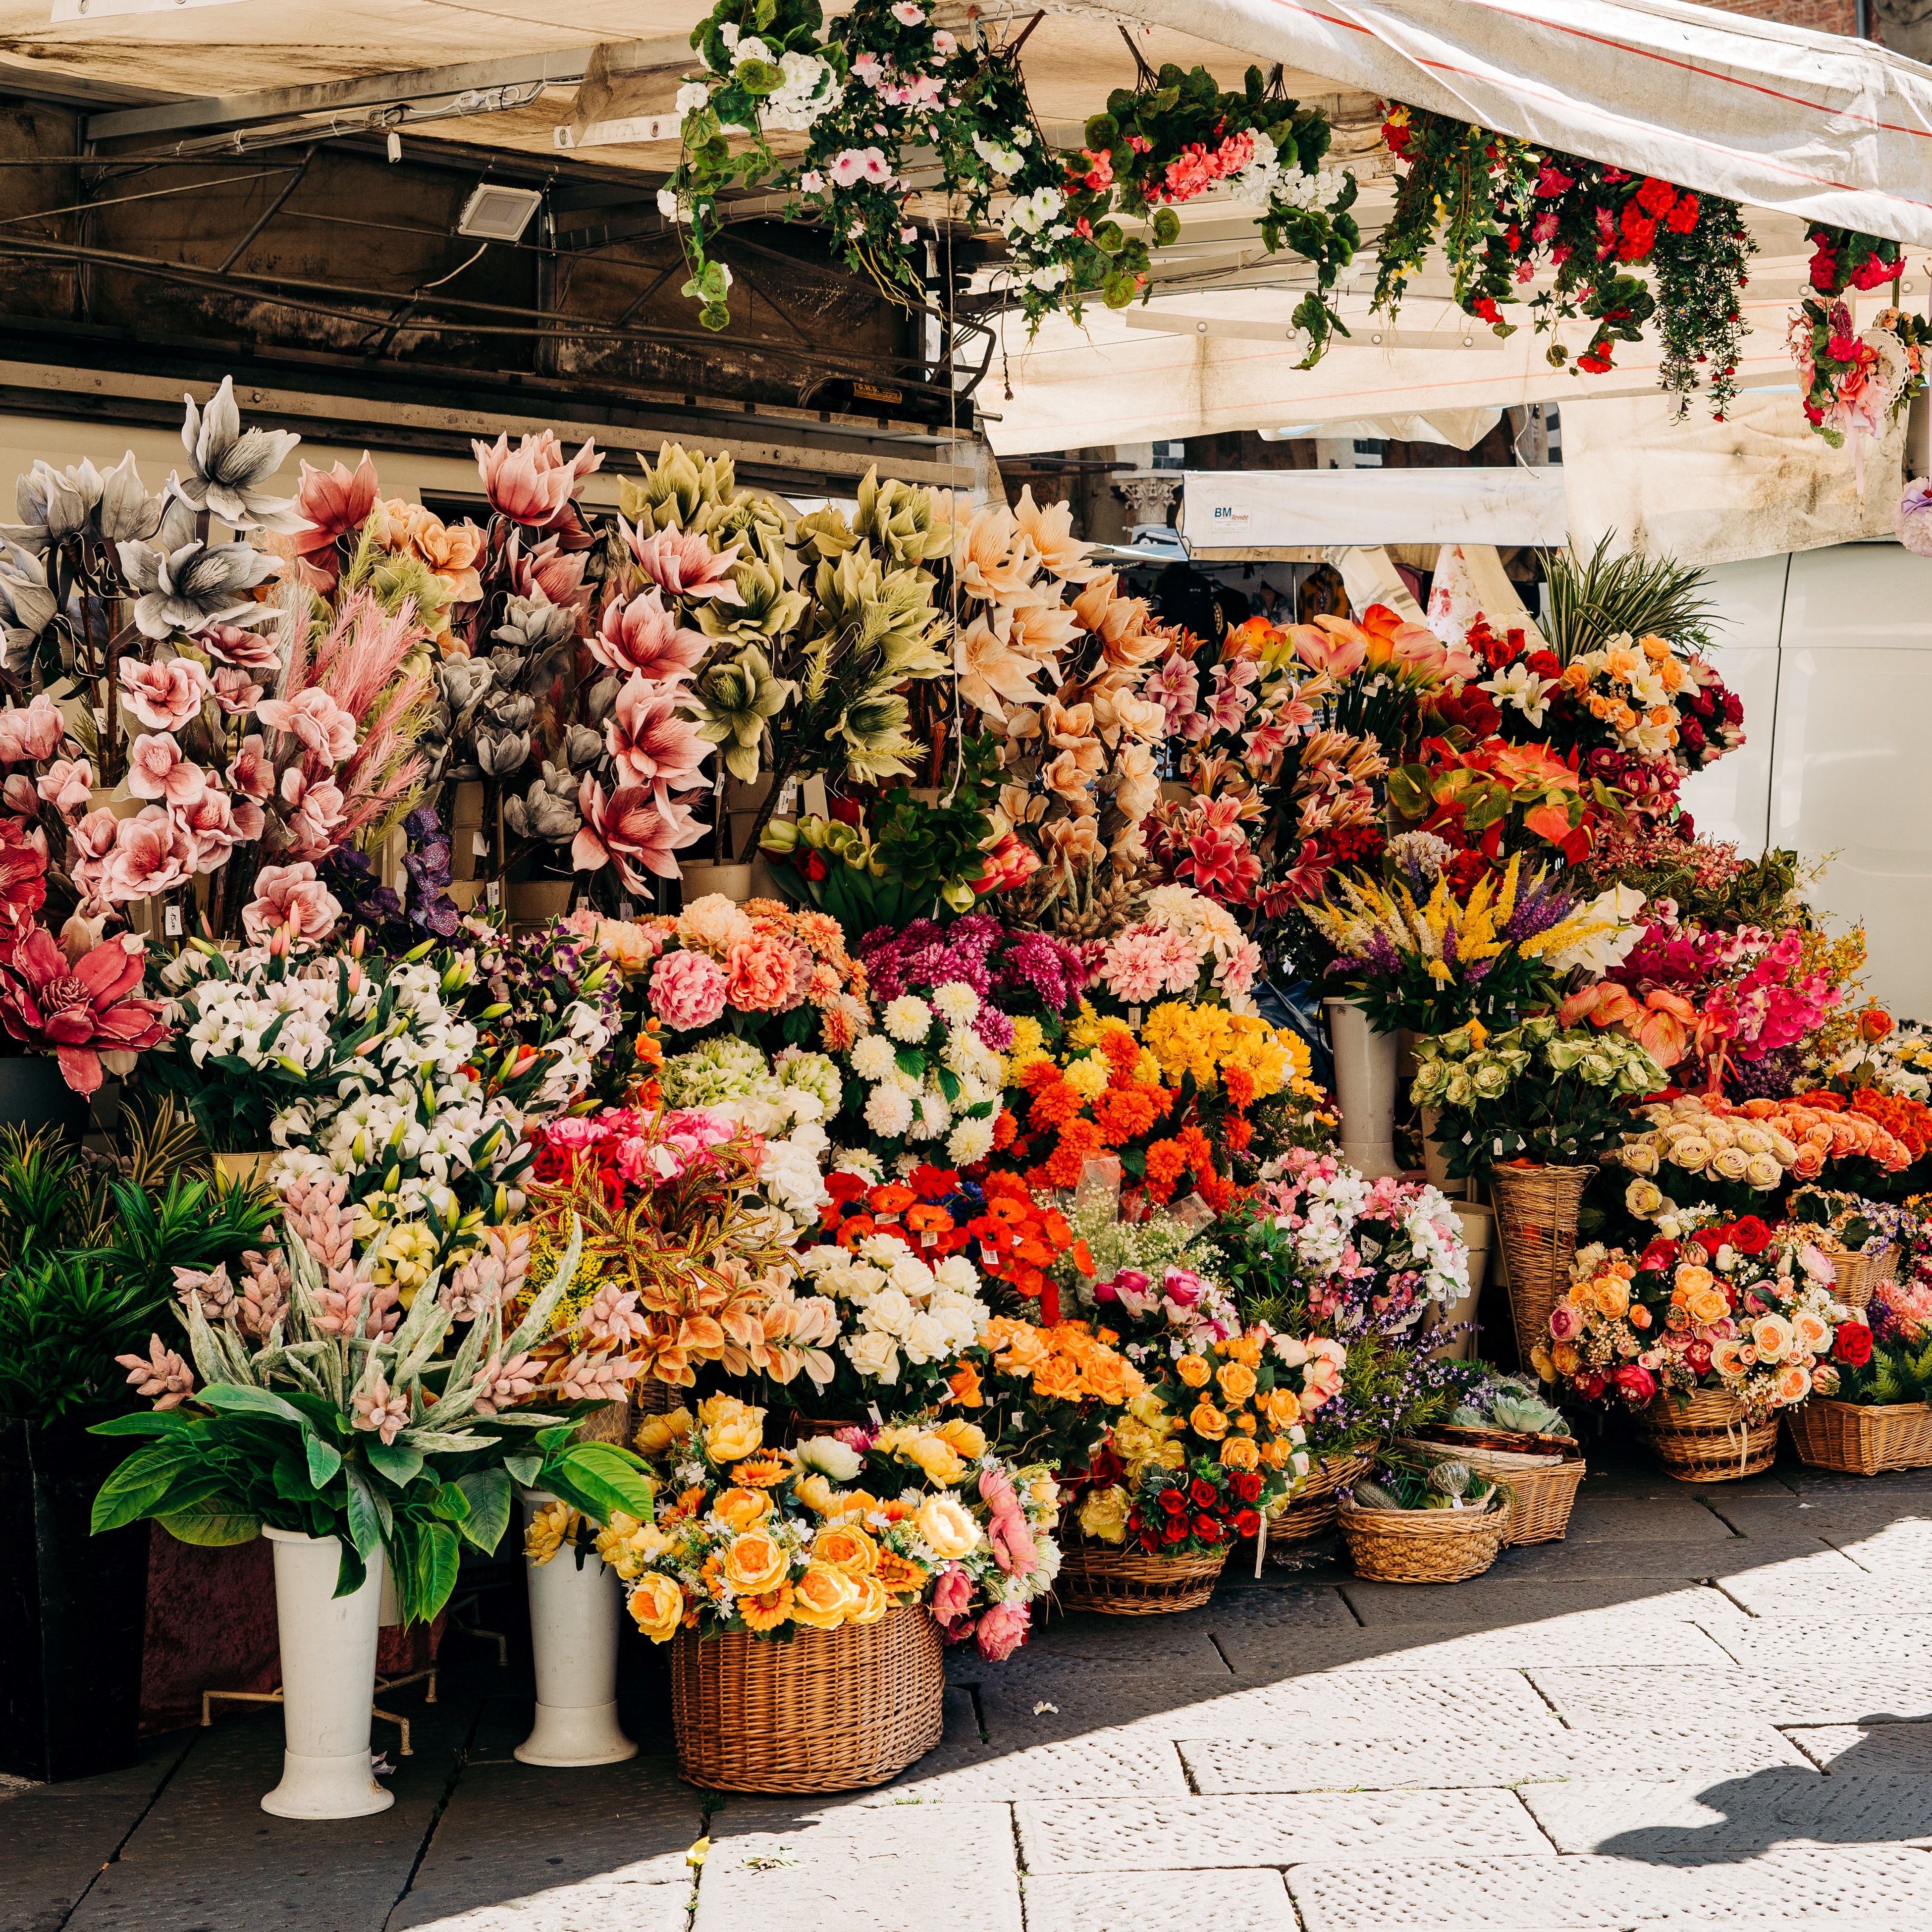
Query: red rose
(1633, 1383)
(1204, 1493)
(1151, 1544)
(1853, 1344)
(1659, 1255)
(1176, 1530)
(1248, 1523)
(1174, 1502)
(1750, 1236)
(1247, 1487)
(1711, 1240)
(1590, 1385)
(1697, 1358)
(1207, 1529)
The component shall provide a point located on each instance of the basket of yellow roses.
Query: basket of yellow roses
(1190, 1469)
(807, 1593)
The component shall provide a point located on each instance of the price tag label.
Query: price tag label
(788, 798)
(493, 894)
(171, 921)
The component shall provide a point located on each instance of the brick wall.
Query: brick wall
(1827, 16)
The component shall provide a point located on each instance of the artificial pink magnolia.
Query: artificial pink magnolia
(67, 784)
(532, 484)
(315, 719)
(246, 650)
(644, 635)
(337, 503)
(681, 562)
(32, 733)
(81, 1010)
(235, 691)
(153, 853)
(253, 773)
(214, 825)
(158, 768)
(651, 742)
(290, 895)
(631, 829)
(164, 697)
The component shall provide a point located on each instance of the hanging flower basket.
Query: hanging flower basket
(1130, 1583)
(1861, 1438)
(1536, 1228)
(1710, 1439)
(1311, 1509)
(834, 1710)
(1395, 1545)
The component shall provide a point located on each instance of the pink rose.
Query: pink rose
(688, 990)
(286, 894)
(1633, 1383)
(29, 735)
(951, 1594)
(1002, 1631)
(1565, 1324)
(1183, 1286)
(314, 718)
(164, 697)
(158, 768)
(67, 784)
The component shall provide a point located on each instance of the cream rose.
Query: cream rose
(947, 1527)
(1103, 1516)
(1730, 1163)
(874, 1355)
(1639, 1157)
(1763, 1172)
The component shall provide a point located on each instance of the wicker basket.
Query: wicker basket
(1709, 1439)
(1885, 1268)
(1536, 1229)
(1542, 1485)
(1423, 1546)
(1861, 1438)
(830, 1711)
(651, 1397)
(1858, 1274)
(1128, 1583)
(1311, 1510)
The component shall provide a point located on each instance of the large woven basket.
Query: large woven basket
(1423, 1546)
(1536, 1229)
(651, 1397)
(1885, 1268)
(830, 1711)
(1311, 1509)
(1857, 1275)
(1130, 1583)
(1542, 1486)
(1709, 1439)
(1861, 1438)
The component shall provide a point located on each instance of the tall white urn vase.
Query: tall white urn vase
(575, 1613)
(329, 1682)
(1365, 1087)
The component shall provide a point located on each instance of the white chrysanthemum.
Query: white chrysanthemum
(970, 1141)
(959, 1005)
(872, 1057)
(889, 1111)
(908, 1018)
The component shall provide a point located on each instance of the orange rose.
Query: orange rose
(755, 1562)
(1107, 1378)
(1237, 1381)
(824, 1597)
(964, 1384)
(1239, 1452)
(1023, 1348)
(1058, 1378)
(1708, 1304)
(656, 1606)
(1206, 1419)
(741, 1509)
(873, 1601)
(1193, 1370)
(968, 1438)
(849, 1547)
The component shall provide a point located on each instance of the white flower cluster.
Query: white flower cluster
(956, 1073)
(810, 90)
(1003, 160)
(1030, 214)
(902, 1309)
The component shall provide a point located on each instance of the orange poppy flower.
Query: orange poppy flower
(890, 1199)
(924, 1220)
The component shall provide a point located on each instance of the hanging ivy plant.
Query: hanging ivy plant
(1501, 209)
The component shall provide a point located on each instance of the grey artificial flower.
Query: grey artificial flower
(500, 753)
(548, 810)
(535, 626)
(511, 710)
(232, 467)
(466, 683)
(187, 585)
(601, 699)
(54, 504)
(27, 606)
(128, 514)
(582, 747)
(508, 664)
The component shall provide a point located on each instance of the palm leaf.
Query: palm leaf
(1592, 601)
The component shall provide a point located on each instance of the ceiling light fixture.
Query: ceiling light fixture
(494, 213)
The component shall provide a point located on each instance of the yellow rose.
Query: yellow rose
(1692, 1280)
(948, 1528)
(938, 1461)
(1708, 1304)
(1104, 1514)
(741, 1509)
(968, 1438)
(1172, 1454)
(755, 1562)
(1239, 1452)
(1134, 1441)
(1540, 1361)
(1237, 1382)
(657, 1434)
(734, 1438)
(873, 1601)
(1564, 1355)
(1205, 1419)
(1193, 1370)
(848, 1546)
(657, 1606)
(824, 1597)
(815, 1492)
(551, 1528)
(1611, 1293)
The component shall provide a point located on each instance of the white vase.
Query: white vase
(1365, 1087)
(329, 1682)
(575, 1613)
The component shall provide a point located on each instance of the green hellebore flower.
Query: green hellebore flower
(739, 698)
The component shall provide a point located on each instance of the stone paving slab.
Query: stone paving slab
(1819, 1597)
(1767, 1643)
(610, 1902)
(1182, 1641)
(1433, 1647)
(1771, 1564)
(1898, 1749)
(1592, 1696)
(1767, 1515)
(1844, 1891)
(858, 1868)
(1651, 1519)
(1299, 1607)
(1576, 1558)
(1241, 1901)
(1626, 1818)
(1506, 1600)
(1660, 1753)
(1885, 1547)
(1167, 1835)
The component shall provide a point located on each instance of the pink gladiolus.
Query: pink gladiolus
(533, 484)
(164, 697)
(651, 743)
(67, 784)
(32, 734)
(315, 720)
(80, 1010)
(287, 894)
(952, 1594)
(683, 563)
(630, 829)
(643, 636)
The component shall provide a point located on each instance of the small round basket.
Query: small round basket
(830, 1711)
(1311, 1509)
(1861, 1438)
(1709, 1439)
(1858, 1276)
(1423, 1546)
(1542, 1480)
(1130, 1583)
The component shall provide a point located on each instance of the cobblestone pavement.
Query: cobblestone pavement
(1710, 1707)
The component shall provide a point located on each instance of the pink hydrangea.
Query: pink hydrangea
(688, 990)
(762, 972)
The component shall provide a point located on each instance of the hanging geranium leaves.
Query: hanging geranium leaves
(1842, 259)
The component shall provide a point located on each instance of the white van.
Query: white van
(1831, 651)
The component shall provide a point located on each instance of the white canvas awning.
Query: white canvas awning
(1243, 512)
